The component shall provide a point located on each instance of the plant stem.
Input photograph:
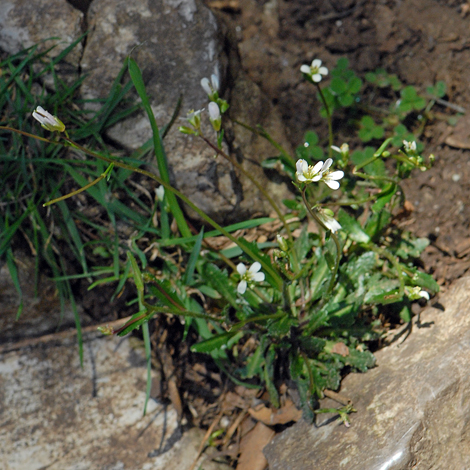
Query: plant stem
(330, 122)
(335, 239)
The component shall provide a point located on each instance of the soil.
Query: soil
(422, 42)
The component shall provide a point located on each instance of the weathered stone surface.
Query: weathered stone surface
(55, 415)
(413, 410)
(24, 23)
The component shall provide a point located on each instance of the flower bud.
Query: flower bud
(214, 116)
(47, 120)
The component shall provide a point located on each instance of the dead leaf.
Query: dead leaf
(284, 415)
(251, 448)
(341, 349)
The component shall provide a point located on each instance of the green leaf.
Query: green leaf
(188, 275)
(384, 197)
(380, 290)
(219, 280)
(352, 227)
(418, 278)
(216, 342)
(378, 222)
(360, 360)
(254, 364)
(281, 327)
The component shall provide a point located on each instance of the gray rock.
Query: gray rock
(176, 43)
(58, 416)
(413, 410)
(24, 23)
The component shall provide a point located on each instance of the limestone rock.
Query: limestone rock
(58, 416)
(24, 23)
(413, 410)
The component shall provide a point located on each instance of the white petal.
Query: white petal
(241, 287)
(205, 85)
(241, 268)
(316, 63)
(301, 166)
(424, 294)
(316, 78)
(258, 277)
(336, 175)
(336, 149)
(316, 177)
(323, 70)
(327, 164)
(215, 82)
(255, 267)
(305, 69)
(301, 178)
(214, 111)
(318, 167)
(332, 184)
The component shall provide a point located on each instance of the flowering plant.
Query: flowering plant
(317, 281)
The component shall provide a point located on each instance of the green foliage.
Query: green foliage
(300, 308)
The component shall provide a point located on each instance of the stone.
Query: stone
(57, 415)
(173, 65)
(413, 410)
(24, 23)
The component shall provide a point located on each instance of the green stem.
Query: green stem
(330, 122)
(383, 252)
(336, 241)
(262, 190)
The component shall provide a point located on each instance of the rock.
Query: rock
(58, 416)
(413, 410)
(173, 65)
(24, 23)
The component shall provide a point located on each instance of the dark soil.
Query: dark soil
(422, 41)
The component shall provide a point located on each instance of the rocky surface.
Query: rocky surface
(58, 416)
(413, 410)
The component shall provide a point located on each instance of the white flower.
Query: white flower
(415, 293)
(307, 173)
(47, 120)
(343, 150)
(325, 215)
(160, 193)
(331, 179)
(314, 71)
(210, 87)
(252, 275)
(194, 118)
(320, 172)
(409, 146)
(214, 115)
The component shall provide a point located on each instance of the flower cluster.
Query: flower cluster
(47, 120)
(320, 172)
(315, 71)
(249, 276)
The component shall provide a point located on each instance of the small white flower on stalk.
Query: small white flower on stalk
(415, 293)
(307, 173)
(214, 116)
(194, 118)
(212, 87)
(326, 216)
(315, 71)
(160, 191)
(343, 150)
(409, 146)
(47, 120)
(248, 276)
(320, 172)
